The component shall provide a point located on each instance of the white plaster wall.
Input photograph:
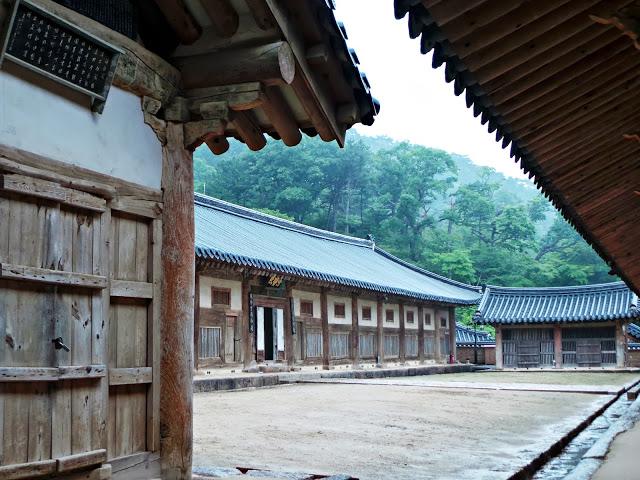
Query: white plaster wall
(433, 318)
(331, 301)
(62, 127)
(396, 314)
(416, 320)
(309, 296)
(374, 313)
(443, 314)
(205, 291)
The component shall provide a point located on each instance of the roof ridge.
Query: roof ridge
(425, 272)
(265, 218)
(566, 288)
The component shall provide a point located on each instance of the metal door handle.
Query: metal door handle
(58, 342)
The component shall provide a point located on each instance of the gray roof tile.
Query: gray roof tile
(244, 237)
(465, 336)
(606, 301)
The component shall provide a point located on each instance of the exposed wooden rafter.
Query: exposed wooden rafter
(223, 17)
(182, 22)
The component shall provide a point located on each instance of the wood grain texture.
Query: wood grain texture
(178, 271)
(51, 277)
(128, 376)
(51, 374)
(131, 289)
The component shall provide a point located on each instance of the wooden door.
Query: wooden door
(53, 300)
(79, 316)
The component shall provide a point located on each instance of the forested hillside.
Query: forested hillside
(432, 208)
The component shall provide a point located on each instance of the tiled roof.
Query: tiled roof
(607, 301)
(633, 330)
(634, 346)
(243, 237)
(465, 336)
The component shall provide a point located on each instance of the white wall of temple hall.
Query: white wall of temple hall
(337, 305)
(414, 325)
(206, 283)
(373, 306)
(429, 313)
(303, 295)
(442, 313)
(396, 315)
(48, 119)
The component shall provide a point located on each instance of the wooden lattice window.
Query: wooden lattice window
(427, 319)
(388, 316)
(221, 296)
(339, 310)
(366, 313)
(306, 308)
(443, 322)
(410, 318)
(209, 342)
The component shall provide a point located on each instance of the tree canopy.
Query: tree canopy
(424, 205)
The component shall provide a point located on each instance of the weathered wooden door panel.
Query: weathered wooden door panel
(131, 332)
(51, 280)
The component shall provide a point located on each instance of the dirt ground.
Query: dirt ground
(547, 378)
(385, 431)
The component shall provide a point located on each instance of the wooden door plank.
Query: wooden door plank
(39, 423)
(16, 410)
(5, 205)
(153, 336)
(52, 374)
(45, 189)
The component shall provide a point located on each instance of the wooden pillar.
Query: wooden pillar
(557, 345)
(403, 351)
(247, 337)
(452, 334)
(176, 332)
(288, 328)
(355, 332)
(498, 347)
(380, 328)
(437, 353)
(621, 345)
(324, 316)
(421, 333)
(196, 321)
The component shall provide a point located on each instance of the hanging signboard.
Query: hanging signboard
(51, 46)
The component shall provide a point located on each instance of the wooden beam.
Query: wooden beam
(403, 353)
(247, 336)
(217, 144)
(281, 116)
(195, 133)
(272, 63)
(313, 110)
(180, 20)
(307, 78)
(248, 129)
(178, 276)
(420, 334)
(288, 326)
(130, 376)
(196, 322)
(80, 460)
(355, 331)
(51, 374)
(238, 96)
(28, 470)
(452, 335)
(324, 316)
(51, 277)
(223, 17)
(131, 289)
(261, 14)
(380, 331)
(47, 190)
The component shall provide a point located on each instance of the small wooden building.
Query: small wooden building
(561, 327)
(633, 344)
(475, 346)
(270, 290)
(101, 106)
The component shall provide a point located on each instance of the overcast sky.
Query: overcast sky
(417, 104)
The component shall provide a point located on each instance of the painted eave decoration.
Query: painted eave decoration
(557, 83)
(230, 236)
(585, 303)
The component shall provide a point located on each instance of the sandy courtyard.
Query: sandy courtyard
(383, 431)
